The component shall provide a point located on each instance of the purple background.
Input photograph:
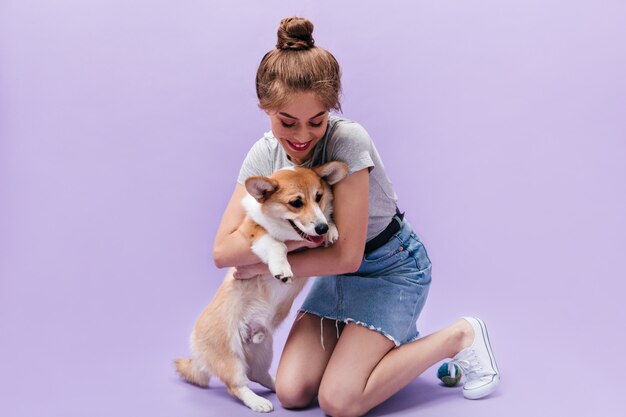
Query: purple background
(123, 125)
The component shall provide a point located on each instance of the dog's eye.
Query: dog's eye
(296, 203)
(318, 198)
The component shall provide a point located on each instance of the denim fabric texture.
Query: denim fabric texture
(386, 294)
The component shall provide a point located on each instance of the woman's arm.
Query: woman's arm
(231, 248)
(345, 255)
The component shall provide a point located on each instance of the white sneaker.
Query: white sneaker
(478, 363)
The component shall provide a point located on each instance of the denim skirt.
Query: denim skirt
(386, 294)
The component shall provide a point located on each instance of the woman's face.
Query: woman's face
(299, 125)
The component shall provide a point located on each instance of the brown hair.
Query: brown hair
(297, 65)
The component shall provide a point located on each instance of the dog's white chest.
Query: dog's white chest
(273, 296)
(279, 292)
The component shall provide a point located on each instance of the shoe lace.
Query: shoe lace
(470, 364)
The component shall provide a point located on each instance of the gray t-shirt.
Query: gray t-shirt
(345, 141)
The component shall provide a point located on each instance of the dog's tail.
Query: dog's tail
(188, 369)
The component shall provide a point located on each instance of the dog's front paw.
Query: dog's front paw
(332, 235)
(282, 271)
(285, 279)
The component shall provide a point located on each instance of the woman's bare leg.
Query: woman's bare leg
(365, 369)
(304, 360)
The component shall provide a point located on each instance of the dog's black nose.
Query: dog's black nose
(321, 228)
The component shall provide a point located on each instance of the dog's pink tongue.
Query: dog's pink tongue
(316, 239)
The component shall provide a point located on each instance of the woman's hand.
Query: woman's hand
(251, 271)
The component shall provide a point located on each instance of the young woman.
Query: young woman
(354, 343)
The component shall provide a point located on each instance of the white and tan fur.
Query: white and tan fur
(232, 338)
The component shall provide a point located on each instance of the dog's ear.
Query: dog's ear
(261, 188)
(332, 172)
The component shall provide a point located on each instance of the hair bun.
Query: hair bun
(295, 33)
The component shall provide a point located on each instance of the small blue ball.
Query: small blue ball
(443, 373)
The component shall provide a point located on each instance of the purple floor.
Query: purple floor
(104, 346)
(122, 128)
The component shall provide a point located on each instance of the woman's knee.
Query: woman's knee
(294, 394)
(338, 401)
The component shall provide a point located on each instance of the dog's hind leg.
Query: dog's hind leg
(249, 398)
(237, 386)
(259, 358)
(233, 375)
(189, 370)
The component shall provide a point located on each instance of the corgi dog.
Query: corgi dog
(232, 338)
